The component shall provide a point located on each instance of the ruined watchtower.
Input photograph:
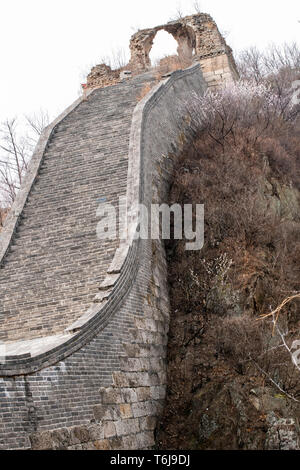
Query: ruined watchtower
(199, 41)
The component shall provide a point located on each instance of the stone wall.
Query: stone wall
(104, 387)
(219, 70)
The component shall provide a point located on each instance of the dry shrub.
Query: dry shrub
(3, 214)
(241, 161)
(145, 90)
(242, 115)
(239, 339)
(251, 348)
(283, 155)
(243, 154)
(275, 63)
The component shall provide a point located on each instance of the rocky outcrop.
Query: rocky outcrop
(232, 383)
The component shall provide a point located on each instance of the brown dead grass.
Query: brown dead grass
(145, 90)
(170, 64)
(3, 214)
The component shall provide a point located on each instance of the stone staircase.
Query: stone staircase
(77, 372)
(55, 263)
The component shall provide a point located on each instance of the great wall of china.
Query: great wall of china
(84, 322)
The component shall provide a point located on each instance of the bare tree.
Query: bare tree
(15, 151)
(14, 160)
(261, 65)
(119, 58)
(38, 121)
(178, 13)
(250, 64)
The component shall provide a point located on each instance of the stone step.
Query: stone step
(55, 263)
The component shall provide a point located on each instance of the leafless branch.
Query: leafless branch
(197, 6)
(15, 151)
(273, 381)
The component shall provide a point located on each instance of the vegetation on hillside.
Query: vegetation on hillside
(233, 381)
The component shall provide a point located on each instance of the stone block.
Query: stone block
(145, 408)
(158, 392)
(111, 396)
(143, 393)
(120, 379)
(116, 443)
(106, 412)
(148, 423)
(96, 432)
(129, 395)
(127, 426)
(125, 410)
(109, 430)
(129, 442)
(145, 440)
(61, 438)
(79, 434)
(41, 440)
(102, 445)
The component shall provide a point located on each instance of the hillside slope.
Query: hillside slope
(232, 383)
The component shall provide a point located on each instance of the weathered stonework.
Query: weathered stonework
(198, 39)
(103, 386)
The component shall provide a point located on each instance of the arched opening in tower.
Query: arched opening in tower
(164, 45)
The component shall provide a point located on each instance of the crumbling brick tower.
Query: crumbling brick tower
(198, 40)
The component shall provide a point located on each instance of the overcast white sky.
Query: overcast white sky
(47, 44)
